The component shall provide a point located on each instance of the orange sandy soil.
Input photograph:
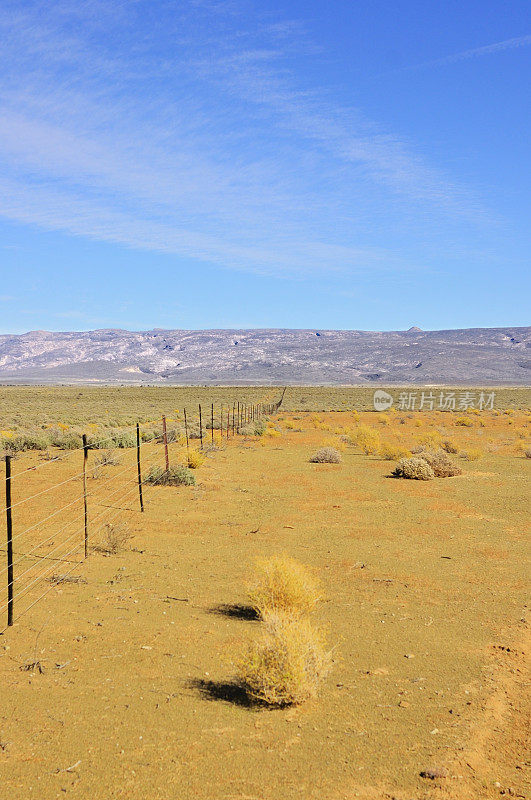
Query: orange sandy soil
(425, 588)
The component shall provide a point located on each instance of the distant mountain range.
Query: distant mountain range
(276, 356)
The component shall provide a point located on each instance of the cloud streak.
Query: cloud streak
(205, 145)
(477, 52)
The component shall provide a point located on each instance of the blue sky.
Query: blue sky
(227, 163)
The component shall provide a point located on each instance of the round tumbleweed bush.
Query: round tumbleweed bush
(286, 666)
(282, 584)
(326, 455)
(413, 468)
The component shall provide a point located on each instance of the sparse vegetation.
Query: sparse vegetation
(174, 476)
(326, 455)
(287, 665)
(414, 468)
(194, 459)
(441, 463)
(114, 539)
(282, 584)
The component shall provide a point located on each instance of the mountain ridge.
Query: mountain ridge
(268, 356)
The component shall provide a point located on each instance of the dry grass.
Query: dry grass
(393, 452)
(414, 468)
(287, 665)
(326, 455)
(471, 454)
(441, 463)
(194, 459)
(367, 439)
(282, 584)
(115, 538)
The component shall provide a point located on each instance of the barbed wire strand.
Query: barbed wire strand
(67, 505)
(68, 524)
(55, 485)
(53, 566)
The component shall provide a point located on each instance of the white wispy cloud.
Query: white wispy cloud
(196, 143)
(477, 52)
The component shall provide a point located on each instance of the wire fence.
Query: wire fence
(52, 527)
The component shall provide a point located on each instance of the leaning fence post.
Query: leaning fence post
(9, 521)
(139, 470)
(85, 506)
(165, 438)
(200, 426)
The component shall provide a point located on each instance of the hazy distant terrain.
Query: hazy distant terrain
(276, 356)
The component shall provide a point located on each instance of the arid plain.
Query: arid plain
(120, 681)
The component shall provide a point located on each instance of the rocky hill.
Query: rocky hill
(468, 356)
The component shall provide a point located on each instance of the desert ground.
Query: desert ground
(120, 681)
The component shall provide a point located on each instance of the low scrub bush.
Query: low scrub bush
(115, 538)
(367, 439)
(471, 454)
(441, 463)
(256, 428)
(174, 476)
(107, 459)
(286, 667)
(326, 455)
(66, 441)
(464, 422)
(449, 447)
(413, 468)
(393, 452)
(281, 584)
(21, 442)
(194, 459)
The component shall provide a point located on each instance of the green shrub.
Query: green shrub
(413, 468)
(253, 428)
(174, 476)
(26, 441)
(66, 441)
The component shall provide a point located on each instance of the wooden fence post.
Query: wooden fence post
(85, 504)
(200, 426)
(139, 470)
(9, 521)
(165, 438)
(212, 423)
(186, 432)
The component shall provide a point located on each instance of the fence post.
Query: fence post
(85, 505)
(165, 438)
(228, 421)
(186, 432)
(9, 521)
(212, 423)
(138, 467)
(221, 422)
(200, 426)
